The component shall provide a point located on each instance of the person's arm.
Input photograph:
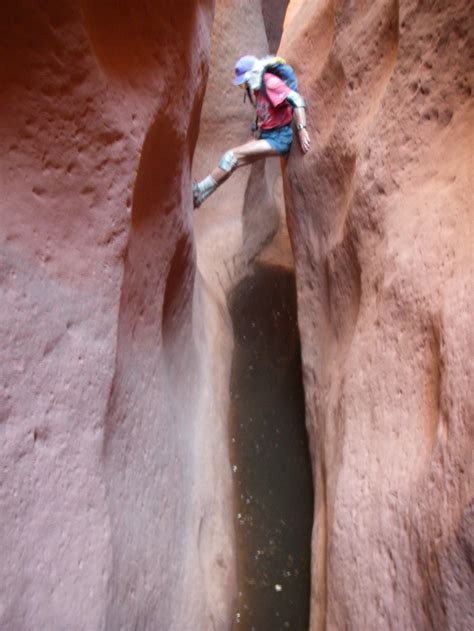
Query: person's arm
(296, 100)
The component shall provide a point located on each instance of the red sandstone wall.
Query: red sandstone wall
(106, 399)
(380, 215)
(114, 493)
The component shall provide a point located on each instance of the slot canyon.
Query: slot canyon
(173, 380)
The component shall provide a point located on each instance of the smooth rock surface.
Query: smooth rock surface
(242, 215)
(115, 502)
(273, 12)
(380, 216)
(114, 489)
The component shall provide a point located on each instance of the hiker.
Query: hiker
(271, 86)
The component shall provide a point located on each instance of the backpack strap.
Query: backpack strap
(248, 93)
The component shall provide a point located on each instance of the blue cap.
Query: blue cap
(243, 65)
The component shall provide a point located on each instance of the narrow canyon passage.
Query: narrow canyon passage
(269, 454)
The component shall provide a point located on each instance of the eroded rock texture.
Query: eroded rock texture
(114, 490)
(114, 481)
(379, 214)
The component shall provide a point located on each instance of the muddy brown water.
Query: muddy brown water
(269, 455)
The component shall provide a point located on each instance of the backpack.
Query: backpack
(281, 69)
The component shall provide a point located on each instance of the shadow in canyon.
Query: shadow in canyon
(269, 454)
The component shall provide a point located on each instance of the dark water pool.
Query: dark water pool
(269, 453)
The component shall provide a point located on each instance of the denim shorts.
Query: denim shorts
(280, 138)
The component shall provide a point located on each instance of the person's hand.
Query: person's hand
(304, 139)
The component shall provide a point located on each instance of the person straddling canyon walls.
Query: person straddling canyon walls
(272, 88)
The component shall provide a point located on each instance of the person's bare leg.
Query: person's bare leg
(246, 154)
(231, 160)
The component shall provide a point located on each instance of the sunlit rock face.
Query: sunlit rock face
(379, 218)
(107, 411)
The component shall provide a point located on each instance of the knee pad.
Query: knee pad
(228, 162)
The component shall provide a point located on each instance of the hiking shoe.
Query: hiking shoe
(202, 190)
(197, 195)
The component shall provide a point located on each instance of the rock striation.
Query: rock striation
(380, 217)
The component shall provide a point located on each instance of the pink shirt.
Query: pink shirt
(272, 108)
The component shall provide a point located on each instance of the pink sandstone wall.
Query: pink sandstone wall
(107, 411)
(115, 487)
(380, 216)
